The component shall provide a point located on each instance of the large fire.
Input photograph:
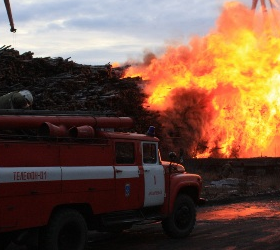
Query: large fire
(220, 94)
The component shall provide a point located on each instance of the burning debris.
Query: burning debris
(219, 95)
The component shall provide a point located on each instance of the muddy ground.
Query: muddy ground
(246, 223)
(253, 223)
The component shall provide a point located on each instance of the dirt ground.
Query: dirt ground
(250, 223)
(253, 223)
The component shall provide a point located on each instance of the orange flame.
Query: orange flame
(237, 69)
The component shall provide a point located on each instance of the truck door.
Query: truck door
(128, 181)
(153, 175)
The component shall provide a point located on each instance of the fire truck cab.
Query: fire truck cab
(75, 174)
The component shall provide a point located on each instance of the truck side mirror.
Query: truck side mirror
(172, 156)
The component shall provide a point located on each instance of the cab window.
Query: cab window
(125, 153)
(149, 153)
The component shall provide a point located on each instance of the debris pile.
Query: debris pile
(61, 84)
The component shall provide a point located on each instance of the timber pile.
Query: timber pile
(61, 84)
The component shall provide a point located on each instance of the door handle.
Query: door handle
(147, 170)
(118, 171)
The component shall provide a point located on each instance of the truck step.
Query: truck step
(121, 217)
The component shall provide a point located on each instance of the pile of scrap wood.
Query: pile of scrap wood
(61, 84)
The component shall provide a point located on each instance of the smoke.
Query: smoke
(148, 57)
(144, 61)
(185, 123)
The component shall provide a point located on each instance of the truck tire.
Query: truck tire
(67, 230)
(181, 221)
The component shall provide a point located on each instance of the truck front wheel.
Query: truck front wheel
(67, 230)
(181, 221)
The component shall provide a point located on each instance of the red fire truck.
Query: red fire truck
(62, 175)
